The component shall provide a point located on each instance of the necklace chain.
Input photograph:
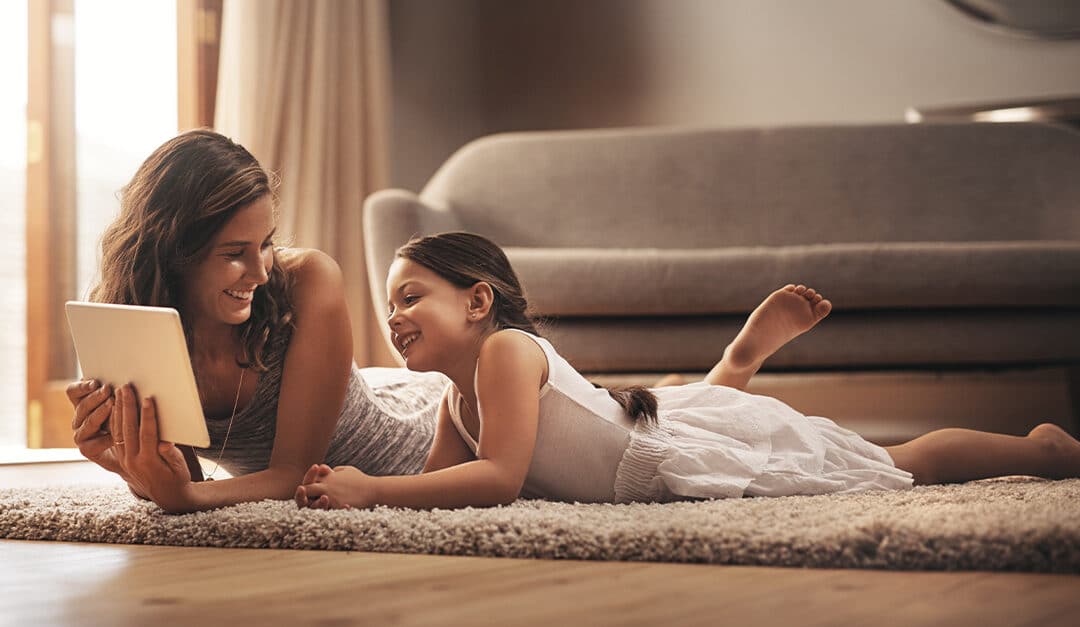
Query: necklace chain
(236, 403)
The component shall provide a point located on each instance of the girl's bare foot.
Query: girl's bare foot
(786, 314)
(1062, 451)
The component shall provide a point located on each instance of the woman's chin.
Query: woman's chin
(237, 316)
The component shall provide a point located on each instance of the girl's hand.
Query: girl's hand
(93, 405)
(151, 467)
(343, 487)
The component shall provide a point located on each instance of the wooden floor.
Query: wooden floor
(58, 583)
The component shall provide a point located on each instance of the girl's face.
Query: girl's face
(221, 287)
(429, 316)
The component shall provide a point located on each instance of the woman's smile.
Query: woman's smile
(243, 296)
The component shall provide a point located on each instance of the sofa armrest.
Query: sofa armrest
(391, 217)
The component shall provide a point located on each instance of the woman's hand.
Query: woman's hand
(152, 468)
(93, 405)
(343, 487)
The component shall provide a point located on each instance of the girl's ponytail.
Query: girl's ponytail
(637, 401)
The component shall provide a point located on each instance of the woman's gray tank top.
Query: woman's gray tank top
(385, 428)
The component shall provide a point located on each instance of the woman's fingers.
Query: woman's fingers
(131, 421)
(91, 427)
(93, 423)
(116, 422)
(148, 426)
(311, 474)
(312, 496)
(77, 390)
(88, 403)
(174, 459)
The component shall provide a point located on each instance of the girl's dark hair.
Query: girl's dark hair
(180, 197)
(465, 259)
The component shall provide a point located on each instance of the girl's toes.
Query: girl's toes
(818, 298)
(799, 289)
(823, 308)
(790, 287)
(810, 293)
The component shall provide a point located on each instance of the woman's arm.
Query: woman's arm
(448, 449)
(509, 374)
(313, 383)
(316, 370)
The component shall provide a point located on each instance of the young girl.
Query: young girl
(517, 419)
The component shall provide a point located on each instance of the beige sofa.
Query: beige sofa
(945, 248)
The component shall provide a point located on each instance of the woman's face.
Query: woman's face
(221, 287)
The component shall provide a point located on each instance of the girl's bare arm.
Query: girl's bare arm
(509, 374)
(448, 449)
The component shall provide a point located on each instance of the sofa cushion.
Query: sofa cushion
(863, 340)
(785, 186)
(663, 282)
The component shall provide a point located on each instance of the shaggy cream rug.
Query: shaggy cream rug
(1015, 524)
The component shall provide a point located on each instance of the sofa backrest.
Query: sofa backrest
(684, 188)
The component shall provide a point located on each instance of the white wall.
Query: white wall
(466, 68)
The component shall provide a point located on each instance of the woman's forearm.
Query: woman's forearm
(272, 483)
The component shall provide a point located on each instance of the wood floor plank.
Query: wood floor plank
(99, 584)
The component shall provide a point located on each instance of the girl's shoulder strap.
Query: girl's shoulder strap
(453, 405)
(549, 350)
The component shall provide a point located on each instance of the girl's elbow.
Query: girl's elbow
(506, 492)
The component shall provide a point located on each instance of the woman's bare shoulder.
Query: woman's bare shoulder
(314, 275)
(295, 260)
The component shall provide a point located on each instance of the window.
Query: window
(102, 95)
(13, 77)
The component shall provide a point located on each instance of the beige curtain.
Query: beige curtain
(304, 85)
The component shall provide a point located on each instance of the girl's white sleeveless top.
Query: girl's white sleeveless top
(710, 442)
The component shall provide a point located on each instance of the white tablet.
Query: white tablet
(144, 346)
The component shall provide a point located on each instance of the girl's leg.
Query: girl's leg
(670, 379)
(784, 315)
(955, 455)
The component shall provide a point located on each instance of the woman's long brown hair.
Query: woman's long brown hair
(180, 197)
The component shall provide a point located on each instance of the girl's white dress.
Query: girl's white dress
(711, 442)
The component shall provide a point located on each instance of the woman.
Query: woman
(268, 333)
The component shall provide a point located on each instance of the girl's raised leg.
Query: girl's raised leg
(955, 455)
(784, 315)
